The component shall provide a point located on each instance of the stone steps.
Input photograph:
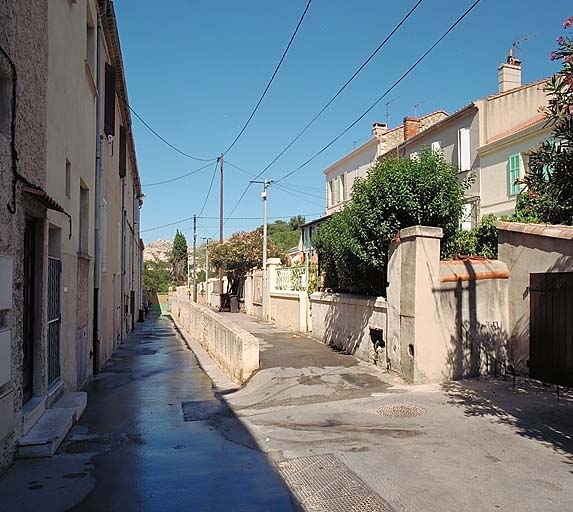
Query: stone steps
(48, 433)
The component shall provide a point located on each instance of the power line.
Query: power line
(177, 178)
(298, 191)
(228, 218)
(272, 77)
(383, 95)
(167, 142)
(346, 84)
(210, 187)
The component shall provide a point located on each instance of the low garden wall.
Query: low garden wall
(352, 324)
(289, 309)
(235, 350)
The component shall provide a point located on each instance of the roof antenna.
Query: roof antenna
(516, 45)
(388, 103)
(419, 104)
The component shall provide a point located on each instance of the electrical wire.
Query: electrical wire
(271, 79)
(410, 69)
(210, 187)
(340, 90)
(228, 218)
(293, 194)
(167, 142)
(178, 177)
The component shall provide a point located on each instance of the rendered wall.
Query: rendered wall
(234, 349)
(526, 249)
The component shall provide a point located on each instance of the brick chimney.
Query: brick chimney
(411, 127)
(379, 129)
(509, 73)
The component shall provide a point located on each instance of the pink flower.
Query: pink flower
(560, 40)
(553, 56)
(568, 22)
(568, 59)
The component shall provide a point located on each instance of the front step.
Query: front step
(50, 430)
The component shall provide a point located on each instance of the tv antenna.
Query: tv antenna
(420, 103)
(516, 46)
(388, 103)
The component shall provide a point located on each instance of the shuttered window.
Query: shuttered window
(109, 105)
(464, 157)
(513, 173)
(122, 151)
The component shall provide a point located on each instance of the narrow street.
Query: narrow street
(134, 450)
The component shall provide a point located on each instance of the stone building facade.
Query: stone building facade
(70, 251)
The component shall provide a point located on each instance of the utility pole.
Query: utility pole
(221, 213)
(194, 258)
(266, 184)
(188, 275)
(207, 269)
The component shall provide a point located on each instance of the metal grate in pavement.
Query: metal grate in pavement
(322, 483)
(401, 411)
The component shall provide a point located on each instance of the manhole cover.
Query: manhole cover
(401, 411)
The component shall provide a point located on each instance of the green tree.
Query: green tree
(397, 193)
(285, 235)
(548, 196)
(179, 258)
(157, 276)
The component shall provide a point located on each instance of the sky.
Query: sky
(196, 68)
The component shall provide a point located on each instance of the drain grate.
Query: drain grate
(401, 411)
(322, 483)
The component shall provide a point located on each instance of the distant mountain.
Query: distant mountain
(159, 250)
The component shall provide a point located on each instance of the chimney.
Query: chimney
(379, 129)
(509, 73)
(411, 127)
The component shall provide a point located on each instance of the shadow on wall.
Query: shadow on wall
(349, 328)
(531, 409)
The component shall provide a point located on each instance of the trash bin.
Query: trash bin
(234, 304)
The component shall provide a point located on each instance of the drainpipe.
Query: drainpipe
(122, 302)
(98, 202)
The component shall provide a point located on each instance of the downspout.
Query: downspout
(97, 216)
(122, 302)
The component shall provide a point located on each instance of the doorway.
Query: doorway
(29, 289)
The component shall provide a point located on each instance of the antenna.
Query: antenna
(420, 103)
(516, 45)
(388, 103)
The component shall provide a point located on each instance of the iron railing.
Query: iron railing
(54, 319)
(291, 278)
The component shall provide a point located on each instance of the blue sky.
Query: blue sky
(195, 69)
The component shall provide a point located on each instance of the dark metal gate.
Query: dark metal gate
(29, 310)
(54, 319)
(551, 327)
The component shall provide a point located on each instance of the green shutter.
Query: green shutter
(513, 174)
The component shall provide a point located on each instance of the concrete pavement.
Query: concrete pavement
(153, 437)
(472, 445)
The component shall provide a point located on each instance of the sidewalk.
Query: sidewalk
(471, 445)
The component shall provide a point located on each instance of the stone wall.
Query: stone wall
(234, 349)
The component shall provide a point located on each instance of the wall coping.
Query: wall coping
(346, 298)
(287, 294)
(421, 231)
(547, 230)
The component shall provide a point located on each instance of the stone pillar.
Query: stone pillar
(422, 348)
(272, 265)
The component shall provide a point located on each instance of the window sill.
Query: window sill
(90, 78)
(84, 256)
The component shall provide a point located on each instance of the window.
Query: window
(68, 183)
(464, 160)
(513, 173)
(336, 190)
(122, 151)
(84, 220)
(345, 186)
(109, 113)
(103, 234)
(90, 42)
(436, 145)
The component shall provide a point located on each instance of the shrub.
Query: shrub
(397, 193)
(478, 241)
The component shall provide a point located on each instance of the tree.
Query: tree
(548, 196)
(179, 258)
(285, 235)
(157, 276)
(239, 254)
(397, 193)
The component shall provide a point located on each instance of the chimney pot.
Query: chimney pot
(411, 127)
(379, 129)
